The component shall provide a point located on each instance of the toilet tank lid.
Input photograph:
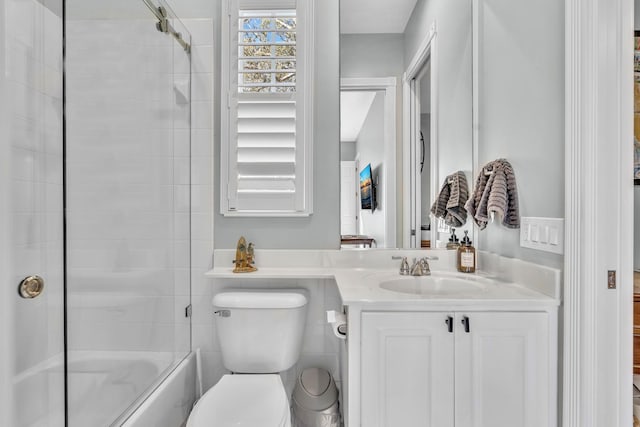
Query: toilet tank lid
(259, 300)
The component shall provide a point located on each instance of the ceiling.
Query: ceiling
(374, 16)
(354, 108)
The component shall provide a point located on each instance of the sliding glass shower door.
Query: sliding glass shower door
(94, 206)
(127, 205)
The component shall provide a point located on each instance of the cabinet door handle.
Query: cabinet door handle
(465, 322)
(449, 323)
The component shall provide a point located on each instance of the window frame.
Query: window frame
(304, 106)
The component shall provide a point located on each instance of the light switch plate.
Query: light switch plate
(543, 234)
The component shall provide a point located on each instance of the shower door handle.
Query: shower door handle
(31, 287)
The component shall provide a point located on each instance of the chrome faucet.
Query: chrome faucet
(421, 266)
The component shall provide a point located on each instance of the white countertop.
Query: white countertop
(513, 284)
(357, 287)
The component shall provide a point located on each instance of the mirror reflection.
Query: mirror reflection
(406, 117)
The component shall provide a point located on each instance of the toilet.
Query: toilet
(260, 335)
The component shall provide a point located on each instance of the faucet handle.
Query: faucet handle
(424, 264)
(404, 265)
(431, 257)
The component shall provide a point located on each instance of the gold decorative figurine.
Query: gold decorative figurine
(244, 257)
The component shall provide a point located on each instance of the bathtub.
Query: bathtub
(132, 389)
(170, 402)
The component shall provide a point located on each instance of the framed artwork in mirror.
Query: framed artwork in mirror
(636, 108)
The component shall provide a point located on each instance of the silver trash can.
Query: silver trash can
(315, 400)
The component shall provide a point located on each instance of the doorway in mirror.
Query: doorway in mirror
(368, 158)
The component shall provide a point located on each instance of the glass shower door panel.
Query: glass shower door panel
(127, 223)
(32, 45)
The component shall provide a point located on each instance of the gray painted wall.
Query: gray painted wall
(452, 71)
(521, 111)
(371, 55)
(347, 150)
(322, 229)
(370, 149)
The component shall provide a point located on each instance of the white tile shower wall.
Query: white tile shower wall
(320, 347)
(33, 72)
(202, 95)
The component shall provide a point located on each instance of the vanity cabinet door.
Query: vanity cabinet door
(502, 370)
(407, 370)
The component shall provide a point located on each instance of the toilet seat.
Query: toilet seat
(243, 400)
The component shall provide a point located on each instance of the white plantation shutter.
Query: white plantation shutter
(266, 153)
(267, 147)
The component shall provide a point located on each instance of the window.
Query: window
(266, 117)
(267, 51)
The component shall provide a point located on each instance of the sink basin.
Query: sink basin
(437, 284)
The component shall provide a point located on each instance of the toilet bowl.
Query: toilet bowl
(243, 401)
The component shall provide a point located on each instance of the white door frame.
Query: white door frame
(352, 165)
(427, 51)
(388, 85)
(597, 365)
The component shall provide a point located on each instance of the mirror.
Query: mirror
(406, 115)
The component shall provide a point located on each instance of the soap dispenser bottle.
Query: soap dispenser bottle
(466, 255)
(453, 243)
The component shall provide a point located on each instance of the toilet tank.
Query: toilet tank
(260, 332)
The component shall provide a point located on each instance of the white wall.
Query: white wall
(370, 149)
(322, 228)
(521, 110)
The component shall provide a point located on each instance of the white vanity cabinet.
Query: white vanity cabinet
(458, 368)
(407, 370)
